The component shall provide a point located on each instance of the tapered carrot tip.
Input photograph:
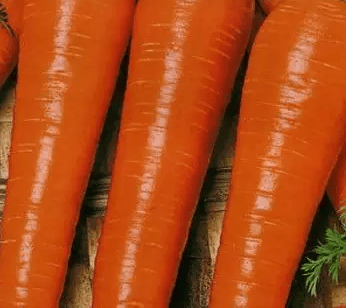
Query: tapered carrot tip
(183, 64)
(288, 142)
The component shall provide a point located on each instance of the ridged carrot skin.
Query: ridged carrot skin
(291, 130)
(70, 56)
(183, 63)
(10, 22)
(337, 184)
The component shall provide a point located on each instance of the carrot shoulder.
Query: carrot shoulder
(10, 22)
(183, 63)
(292, 128)
(70, 55)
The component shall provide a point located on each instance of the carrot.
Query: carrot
(292, 128)
(183, 63)
(70, 55)
(10, 21)
(337, 184)
(269, 5)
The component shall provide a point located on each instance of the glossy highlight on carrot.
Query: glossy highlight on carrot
(337, 184)
(291, 130)
(10, 22)
(70, 55)
(183, 63)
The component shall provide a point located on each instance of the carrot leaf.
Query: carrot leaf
(313, 270)
(327, 254)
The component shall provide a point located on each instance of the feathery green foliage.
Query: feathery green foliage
(327, 254)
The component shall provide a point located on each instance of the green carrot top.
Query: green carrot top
(328, 254)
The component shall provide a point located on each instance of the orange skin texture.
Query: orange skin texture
(291, 130)
(70, 56)
(269, 5)
(337, 183)
(9, 41)
(183, 63)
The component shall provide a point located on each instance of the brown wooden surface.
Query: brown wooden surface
(196, 271)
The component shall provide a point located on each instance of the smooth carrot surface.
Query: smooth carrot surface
(70, 56)
(183, 63)
(337, 184)
(292, 128)
(269, 5)
(10, 22)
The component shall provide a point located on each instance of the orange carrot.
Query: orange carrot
(183, 63)
(337, 184)
(292, 128)
(70, 52)
(10, 21)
